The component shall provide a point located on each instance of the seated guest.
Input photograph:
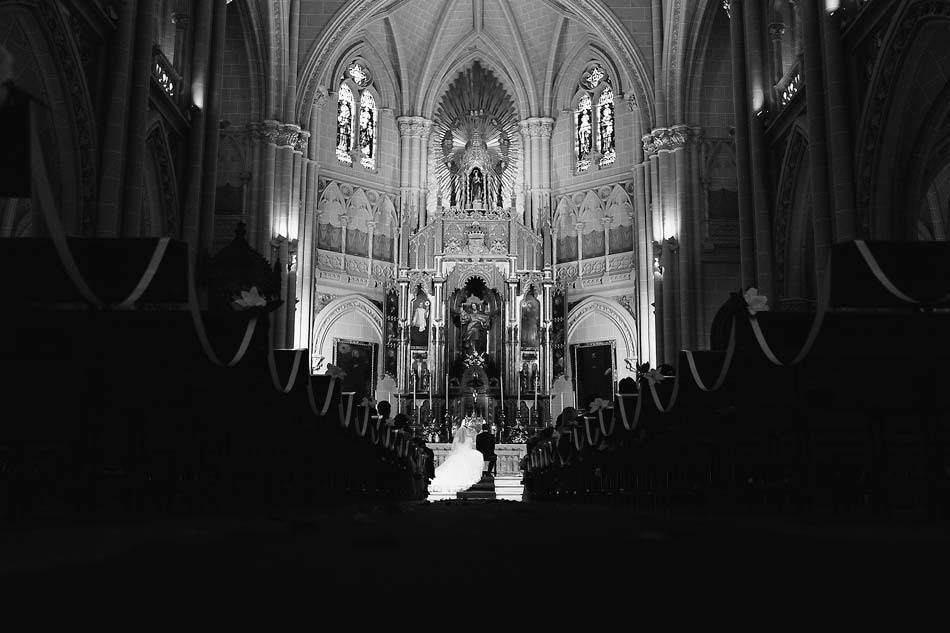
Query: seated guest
(627, 385)
(383, 408)
(401, 422)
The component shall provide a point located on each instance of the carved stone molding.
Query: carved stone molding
(665, 139)
(411, 126)
(539, 127)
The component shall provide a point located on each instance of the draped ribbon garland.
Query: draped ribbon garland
(272, 366)
(327, 399)
(345, 417)
(58, 237)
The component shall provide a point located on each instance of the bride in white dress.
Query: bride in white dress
(462, 467)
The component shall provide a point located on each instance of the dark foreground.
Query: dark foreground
(433, 551)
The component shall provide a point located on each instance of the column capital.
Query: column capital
(180, 19)
(665, 139)
(413, 126)
(537, 127)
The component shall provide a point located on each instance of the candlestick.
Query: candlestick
(537, 418)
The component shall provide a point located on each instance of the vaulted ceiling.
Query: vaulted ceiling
(535, 47)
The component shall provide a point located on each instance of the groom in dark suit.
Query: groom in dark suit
(485, 444)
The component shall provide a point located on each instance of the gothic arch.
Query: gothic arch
(384, 88)
(161, 183)
(882, 134)
(66, 123)
(313, 77)
(466, 52)
(616, 315)
(355, 309)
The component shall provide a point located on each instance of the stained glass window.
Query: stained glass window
(605, 128)
(583, 127)
(367, 130)
(359, 74)
(344, 125)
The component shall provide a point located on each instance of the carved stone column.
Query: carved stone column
(776, 32)
(817, 133)
(743, 167)
(413, 135)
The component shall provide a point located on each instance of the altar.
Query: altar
(508, 457)
(475, 277)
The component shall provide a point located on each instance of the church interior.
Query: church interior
(276, 263)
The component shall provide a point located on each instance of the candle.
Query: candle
(562, 401)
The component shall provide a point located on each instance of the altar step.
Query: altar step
(484, 490)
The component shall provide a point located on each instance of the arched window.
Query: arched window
(583, 132)
(367, 130)
(344, 125)
(594, 121)
(357, 117)
(605, 125)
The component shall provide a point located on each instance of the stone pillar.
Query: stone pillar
(212, 131)
(839, 126)
(743, 167)
(200, 86)
(115, 137)
(776, 32)
(668, 260)
(752, 20)
(255, 132)
(696, 241)
(413, 135)
(545, 127)
(644, 236)
(140, 82)
(526, 144)
(179, 55)
(269, 133)
(817, 133)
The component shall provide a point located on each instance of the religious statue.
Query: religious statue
(420, 319)
(476, 186)
(421, 371)
(530, 318)
(475, 320)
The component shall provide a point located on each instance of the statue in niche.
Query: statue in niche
(420, 372)
(530, 318)
(475, 319)
(419, 323)
(420, 320)
(528, 375)
(476, 186)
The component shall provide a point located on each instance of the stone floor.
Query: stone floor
(437, 549)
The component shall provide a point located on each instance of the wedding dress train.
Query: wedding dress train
(462, 467)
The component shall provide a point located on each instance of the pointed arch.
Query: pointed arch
(481, 48)
(609, 320)
(352, 317)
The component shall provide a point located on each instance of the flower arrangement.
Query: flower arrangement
(248, 299)
(335, 372)
(652, 376)
(755, 302)
(599, 404)
(517, 434)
